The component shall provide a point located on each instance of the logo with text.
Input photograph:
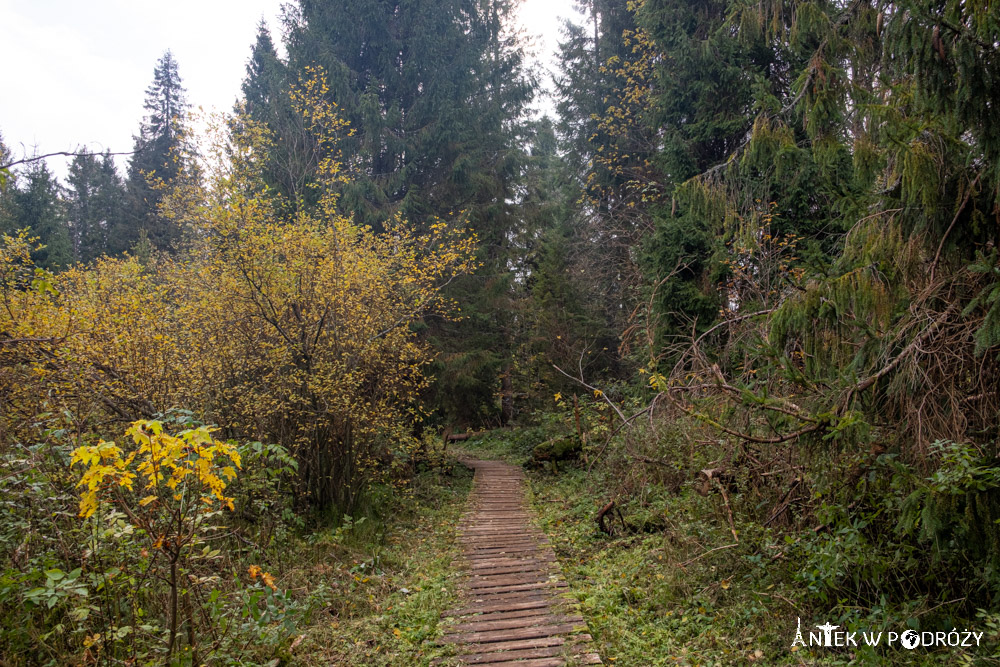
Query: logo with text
(832, 636)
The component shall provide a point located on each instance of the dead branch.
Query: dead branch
(743, 436)
(597, 392)
(36, 158)
(783, 503)
(907, 351)
(616, 431)
(601, 516)
(729, 510)
(958, 214)
(705, 553)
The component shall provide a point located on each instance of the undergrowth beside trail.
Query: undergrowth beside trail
(672, 585)
(272, 590)
(387, 587)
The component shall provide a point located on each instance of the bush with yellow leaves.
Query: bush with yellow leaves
(182, 480)
(290, 328)
(284, 323)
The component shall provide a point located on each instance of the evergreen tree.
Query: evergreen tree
(701, 103)
(586, 83)
(7, 191)
(564, 309)
(265, 80)
(157, 157)
(593, 56)
(435, 93)
(40, 209)
(95, 206)
(841, 168)
(289, 168)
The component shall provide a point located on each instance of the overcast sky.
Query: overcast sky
(74, 72)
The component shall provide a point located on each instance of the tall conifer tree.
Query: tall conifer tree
(7, 190)
(157, 157)
(95, 198)
(40, 209)
(435, 93)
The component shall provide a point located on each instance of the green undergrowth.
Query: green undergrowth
(671, 585)
(384, 582)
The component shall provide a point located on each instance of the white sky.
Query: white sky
(74, 73)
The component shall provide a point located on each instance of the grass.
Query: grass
(383, 583)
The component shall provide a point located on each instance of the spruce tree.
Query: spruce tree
(605, 228)
(289, 168)
(40, 209)
(7, 190)
(157, 157)
(435, 93)
(95, 197)
(564, 306)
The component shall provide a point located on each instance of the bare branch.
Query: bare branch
(36, 158)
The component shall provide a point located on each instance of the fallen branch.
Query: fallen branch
(745, 436)
(702, 555)
(907, 351)
(729, 510)
(617, 429)
(783, 503)
(780, 597)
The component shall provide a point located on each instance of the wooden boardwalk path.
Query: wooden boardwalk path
(513, 613)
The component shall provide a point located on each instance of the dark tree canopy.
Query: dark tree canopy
(40, 209)
(95, 207)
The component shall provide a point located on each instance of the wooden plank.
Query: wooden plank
(480, 591)
(516, 644)
(541, 662)
(541, 612)
(495, 580)
(541, 652)
(533, 632)
(539, 603)
(512, 623)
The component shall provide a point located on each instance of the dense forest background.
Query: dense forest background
(750, 268)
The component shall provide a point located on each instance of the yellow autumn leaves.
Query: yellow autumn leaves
(283, 322)
(191, 465)
(267, 578)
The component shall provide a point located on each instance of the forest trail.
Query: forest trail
(513, 610)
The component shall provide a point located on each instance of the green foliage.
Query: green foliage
(988, 334)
